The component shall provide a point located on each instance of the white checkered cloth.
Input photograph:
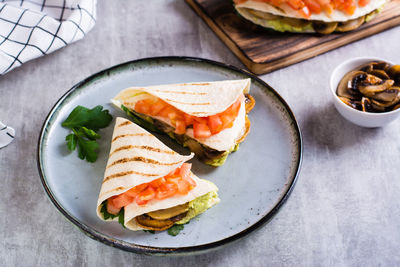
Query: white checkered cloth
(33, 28)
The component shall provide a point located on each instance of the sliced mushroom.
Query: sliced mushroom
(324, 27)
(369, 89)
(149, 223)
(372, 80)
(268, 16)
(380, 74)
(374, 65)
(373, 87)
(367, 67)
(376, 105)
(350, 25)
(300, 23)
(263, 15)
(387, 95)
(348, 85)
(366, 105)
(381, 65)
(169, 213)
(249, 103)
(351, 103)
(394, 73)
(386, 104)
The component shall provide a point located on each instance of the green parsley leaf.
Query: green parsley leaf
(76, 118)
(99, 118)
(90, 134)
(121, 217)
(86, 149)
(71, 141)
(85, 123)
(107, 215)
(150, 231)
(175, 229)
(95, 118)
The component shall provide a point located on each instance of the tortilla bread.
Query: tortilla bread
(196, 94)
(201, 99)
(286, 11)
(136, 157)
(134, 154)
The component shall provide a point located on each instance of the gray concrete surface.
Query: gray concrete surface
(344, 211)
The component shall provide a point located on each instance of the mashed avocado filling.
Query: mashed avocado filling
(200, 205)
(373, 14)
(207, 155)
(221, 160)
(281, 26)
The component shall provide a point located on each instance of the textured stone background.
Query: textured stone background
(345, 209)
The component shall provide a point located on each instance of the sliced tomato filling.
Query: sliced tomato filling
(177, 182)
(308, 7)
(203, 127)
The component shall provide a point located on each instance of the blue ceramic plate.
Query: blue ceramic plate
(253, 183)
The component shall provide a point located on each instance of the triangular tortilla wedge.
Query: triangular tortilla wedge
(138, 157)
(197, 99)
(200, 99)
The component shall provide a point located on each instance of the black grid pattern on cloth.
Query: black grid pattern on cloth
(41, 8)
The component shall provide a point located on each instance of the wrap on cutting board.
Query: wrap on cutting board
(284, 17)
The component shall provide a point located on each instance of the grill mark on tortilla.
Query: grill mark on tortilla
(180, 92)
(184, 103)
(192, 84)
(143, 147)
(124, 135)
(122, 174)
(142, 159)
(125, 123)
(115, 189)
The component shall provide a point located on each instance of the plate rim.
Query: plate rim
(150, 250)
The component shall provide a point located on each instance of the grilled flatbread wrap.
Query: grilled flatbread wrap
(285, 18)
(200, 99)
(138, 157)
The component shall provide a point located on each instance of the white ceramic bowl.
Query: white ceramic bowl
(363, 119)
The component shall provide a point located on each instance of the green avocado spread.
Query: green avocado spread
(373, 14)
(221, 160)
(281, 26)
(200, 205)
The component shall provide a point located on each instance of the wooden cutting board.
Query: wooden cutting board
(263, 51)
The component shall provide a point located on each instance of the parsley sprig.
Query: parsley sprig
(84, 124)
(107, 215)
(175, 229)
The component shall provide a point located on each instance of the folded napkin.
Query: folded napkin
(33, 28)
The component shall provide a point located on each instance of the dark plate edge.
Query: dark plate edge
(183, 250)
